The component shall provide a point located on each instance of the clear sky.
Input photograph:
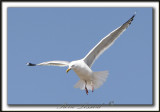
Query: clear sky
(44, 34)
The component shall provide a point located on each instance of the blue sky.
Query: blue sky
(44, 34)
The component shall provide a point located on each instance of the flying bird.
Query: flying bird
(90, 80)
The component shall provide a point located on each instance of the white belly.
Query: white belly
(83, 71)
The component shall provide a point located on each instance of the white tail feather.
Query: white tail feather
(80, 84)
(98, 79)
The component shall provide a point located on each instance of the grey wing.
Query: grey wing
(105, 43)
(51, 63)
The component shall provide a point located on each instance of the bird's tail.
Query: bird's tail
(98, 79)
(80, 84)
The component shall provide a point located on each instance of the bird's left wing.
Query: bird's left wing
(105, 43)
(51, 63)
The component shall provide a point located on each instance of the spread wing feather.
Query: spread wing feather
(105, 43)
(51, 63)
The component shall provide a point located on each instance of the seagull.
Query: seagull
(90, 80)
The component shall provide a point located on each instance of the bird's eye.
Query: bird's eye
(73, 66)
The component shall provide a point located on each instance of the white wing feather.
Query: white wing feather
(105, 43)
(54, 63)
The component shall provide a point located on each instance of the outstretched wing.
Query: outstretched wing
(51, 63)
(105, 43)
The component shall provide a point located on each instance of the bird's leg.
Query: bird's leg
(86, 87)
(92, 89)
(86, 90)
(92, 86)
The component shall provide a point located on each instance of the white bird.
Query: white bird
(90, 80)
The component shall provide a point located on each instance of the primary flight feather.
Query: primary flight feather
(90, 80)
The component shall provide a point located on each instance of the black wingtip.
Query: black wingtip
(131, 19)
(30, 64)
(133, 16)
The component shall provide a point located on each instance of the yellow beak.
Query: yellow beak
(68, 70)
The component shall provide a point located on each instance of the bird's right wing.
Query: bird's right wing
(51, 63)
(105, 43)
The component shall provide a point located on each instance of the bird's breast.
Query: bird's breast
(83, 71)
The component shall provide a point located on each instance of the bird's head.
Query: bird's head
(72, 66)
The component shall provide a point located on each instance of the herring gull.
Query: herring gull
(90, 80)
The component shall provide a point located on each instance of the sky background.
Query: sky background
(44, 34)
